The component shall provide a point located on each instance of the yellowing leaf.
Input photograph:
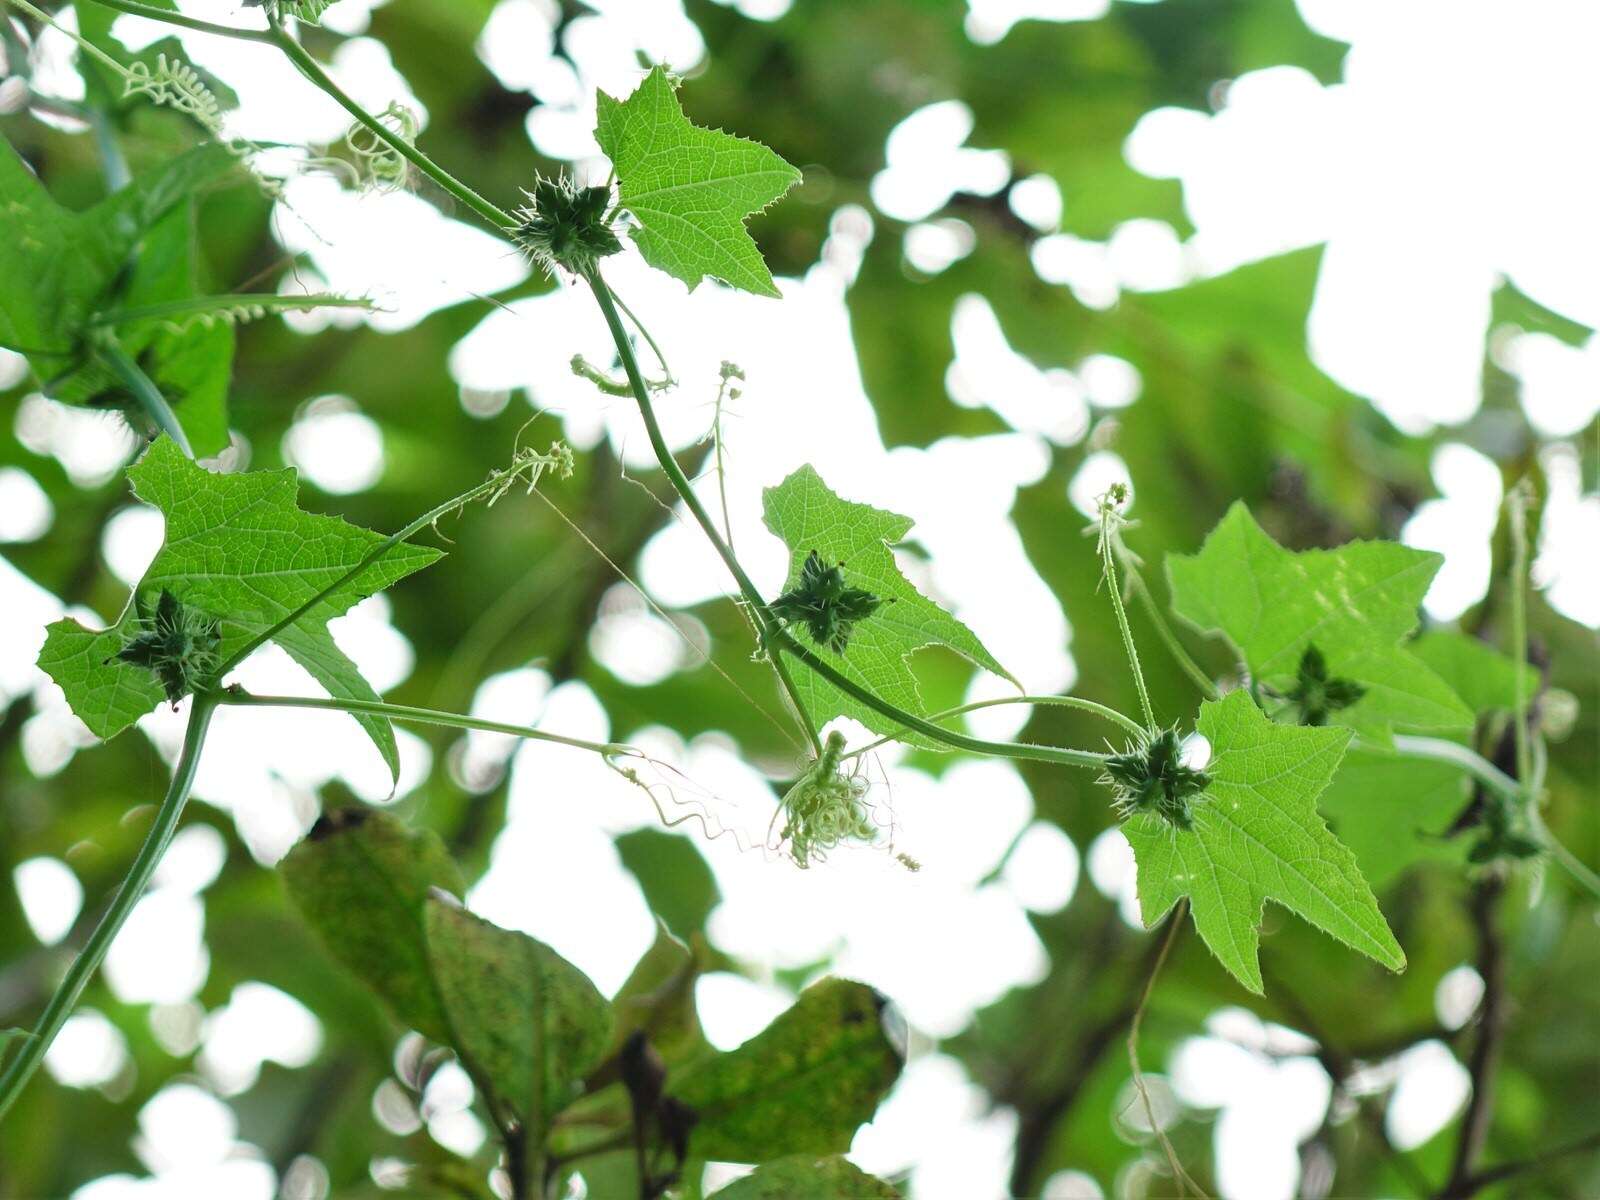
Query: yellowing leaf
(360, 879)
(528, 1021)
(803, 1085)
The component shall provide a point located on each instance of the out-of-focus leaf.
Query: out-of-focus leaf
(1351, 606)
(360, 879)
(1485, 679)
(57, 266)
(677, 883)
(517, 1011)
(801, 1086)
(807, 1177)
(190, 361)
(1391, 811)
(658, 998)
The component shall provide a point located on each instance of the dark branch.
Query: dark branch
(1485, 1061)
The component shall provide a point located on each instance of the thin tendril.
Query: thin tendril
(1185, 1180)
(665, 616)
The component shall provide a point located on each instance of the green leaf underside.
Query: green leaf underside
(807, 1177)
(516, 1010)
(238, 549)
(58, 267)
(1391, 810)
(690, 189)
(1355, 604)
(360, 880)
(808, 516)
(1257, 837)
(1485, 679)
(801, 1086)
(191, 366)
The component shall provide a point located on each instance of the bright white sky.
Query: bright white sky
(1457, 152)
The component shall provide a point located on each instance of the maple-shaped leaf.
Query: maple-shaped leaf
(59, 269)
(1353, 606)
(239, 551)
(1255, 836)
(689, 188)
(854, 539)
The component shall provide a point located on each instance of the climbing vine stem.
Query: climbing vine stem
(312, 70)
(775, 641)
(765, 626)
(147, 395)
(169, 17)
(31, 1050)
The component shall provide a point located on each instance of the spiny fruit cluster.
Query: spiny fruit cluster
(565, 225)
(1150, 776)
(825, 604)
(1316, 694)
(178, 643)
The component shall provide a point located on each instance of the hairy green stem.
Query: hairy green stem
(168, 17)
(1457, 755)
(312, 70)
(1505, 787)
(420, 716)
(766, 627)
(1575, 866)
(1169, 638)
(1089, 706)
(1108, 557)
(203, 306)
(774, 639)
(1516, 502)
(144, 391)
(113, 165)
(1059, 755)
(31, 1051)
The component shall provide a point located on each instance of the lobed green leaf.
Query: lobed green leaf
(239, 550)
(809, 516)
(1354, 604)
(691, 189)
(1256, 836)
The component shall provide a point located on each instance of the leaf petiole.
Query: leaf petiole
(144, 390)
(1089, 706)
(238, 697)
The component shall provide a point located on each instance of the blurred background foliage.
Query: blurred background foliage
(1231, 406)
